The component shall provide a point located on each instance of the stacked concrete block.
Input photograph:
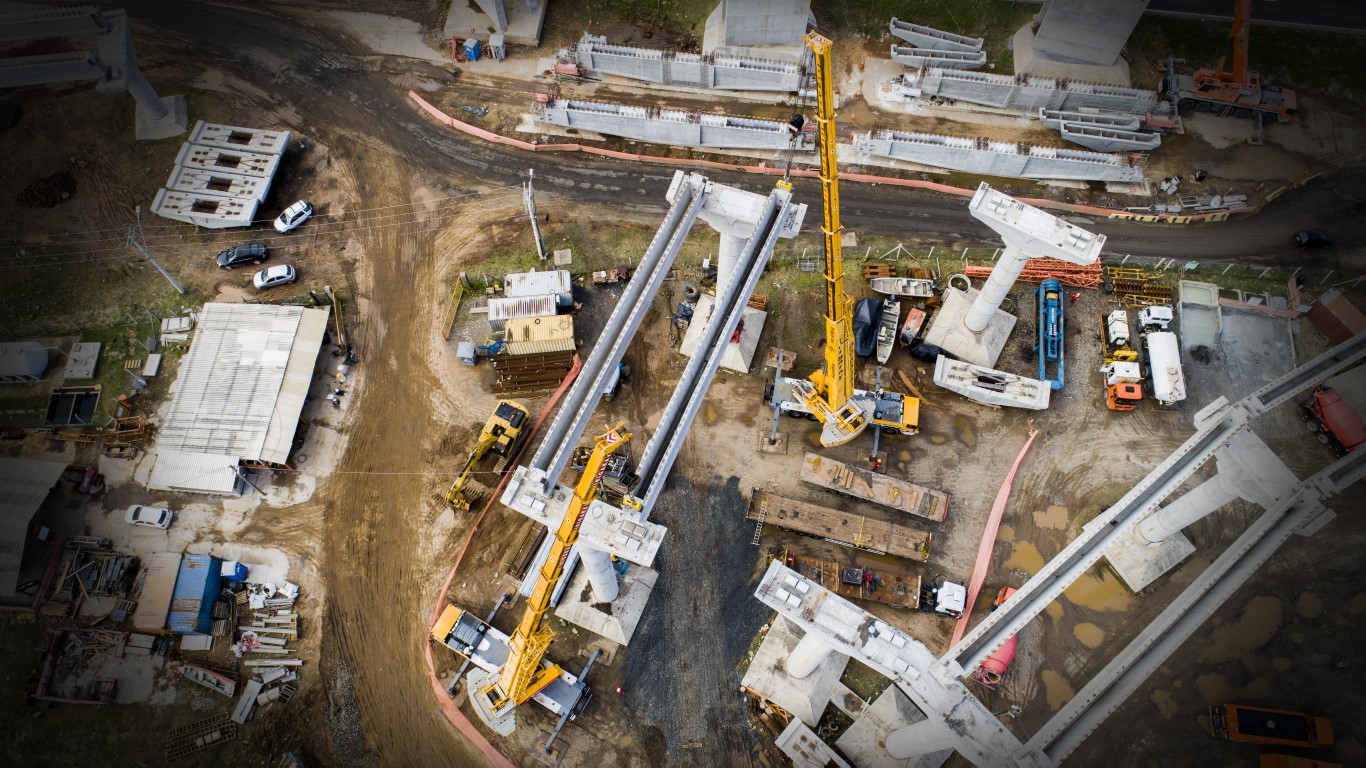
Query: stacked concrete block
(221, 175)
(1101, 132)
(593, 54)
(1025, 93)
(933, 39)
(668, 126)
(998, 158)
(926, 57)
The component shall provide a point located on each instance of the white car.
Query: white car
(279, 274)
(150, 517)
(293, 216)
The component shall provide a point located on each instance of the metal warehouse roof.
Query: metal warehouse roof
(240, 390)
(24, 484)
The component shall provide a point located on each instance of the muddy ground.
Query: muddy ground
(394, 228)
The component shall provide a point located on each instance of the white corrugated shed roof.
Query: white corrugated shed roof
(24, 484)
(241, 387)
(194, 472)
(535, 283)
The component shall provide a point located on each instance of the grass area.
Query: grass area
(993, 21)
(863, 681)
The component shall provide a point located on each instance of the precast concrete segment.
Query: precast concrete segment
(1027, 232)
(56, 22)
(1026, 93)
(668, 126)
(593, 54)
(811, 650)
(1118, 680)
(1086, 31)
(598, 565)
(1054, 118)
(925, 57)
(975, 732)
(569, 423)
(779, 219)
(927, 37)
(1110, 139)
(1217, 424)
(53, 68)
(998, 158)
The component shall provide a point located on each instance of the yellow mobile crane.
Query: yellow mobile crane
(523, 674)
(828, 395)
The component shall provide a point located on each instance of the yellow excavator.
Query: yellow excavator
(523, 675)
(828, 395)
(501, 435)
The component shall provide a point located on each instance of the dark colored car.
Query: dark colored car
(247, 253)
(1313, 238)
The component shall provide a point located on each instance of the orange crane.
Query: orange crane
(1237, 91)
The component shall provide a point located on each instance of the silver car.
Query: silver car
(280, 274)
(149, 517)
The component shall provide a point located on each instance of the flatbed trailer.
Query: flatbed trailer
(839, 527)
(882, 585)
(876, 487)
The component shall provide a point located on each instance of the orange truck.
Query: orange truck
(1286, 761)
(1279, 727)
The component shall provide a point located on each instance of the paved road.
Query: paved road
(1328, 15)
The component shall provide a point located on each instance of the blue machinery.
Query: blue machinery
(1048, 299)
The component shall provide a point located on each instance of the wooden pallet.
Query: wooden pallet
(873, 270)
(200, 734)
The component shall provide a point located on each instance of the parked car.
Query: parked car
(293, 216)
(1313, 238)
(247, 253)
(280, 274)
(149, 517)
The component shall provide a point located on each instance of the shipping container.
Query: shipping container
(535, 335)
(504, 308)
(196, 589)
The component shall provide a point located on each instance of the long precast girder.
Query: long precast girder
(582, 399)
(52, 22)
(691, 390)
(1115, 523)
(1118, 680)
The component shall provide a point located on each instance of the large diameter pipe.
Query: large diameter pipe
(727, 257)
(598, 565)
(1200, 501)
(1003, 276)
(807, 656)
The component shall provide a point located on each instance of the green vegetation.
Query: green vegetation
(863, 681)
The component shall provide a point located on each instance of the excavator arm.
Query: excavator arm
(523, 675)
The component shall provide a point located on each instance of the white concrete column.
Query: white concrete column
(1200, 501)
(1003, 276)
(598, 565)
(808, 655)
(726, 259)
(143, 93)
(920, 738)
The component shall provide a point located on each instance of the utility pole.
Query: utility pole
(140, 244)
(531, 211)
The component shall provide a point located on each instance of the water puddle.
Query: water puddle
(1054, 517)
(1005, 533)
(1054, 611)
(962, 427)
(708, 414)
(1058, 689)
(1215, 689)
(1255, 627)
(1357, 604)
(1025, 557)
(904, 455)
(814, 437)
(1106, 593)
(1282, 664)
(1297, 637)
(1310, 605)
(1089, 634)
(1257, 689)
(937, 439)
(1166, 704)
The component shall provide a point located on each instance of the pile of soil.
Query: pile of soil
(48, 191)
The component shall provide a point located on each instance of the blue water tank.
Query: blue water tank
(472, 50)
(234, 571)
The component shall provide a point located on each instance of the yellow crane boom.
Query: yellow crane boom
(522, 675)
(828, 391)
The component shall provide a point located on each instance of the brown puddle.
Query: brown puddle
(1025, 556)
(1282, 663)
(708, 414)
(1054, 517)
(1106, 593)
(1089, 634)
(1215, 689)
(1255, 627)
(1005, 533)
(1058, 689)
(1054, 611)
(1357, 604)
(962, 425)
(1310, 605)
(904, 455)
(1166, 704)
